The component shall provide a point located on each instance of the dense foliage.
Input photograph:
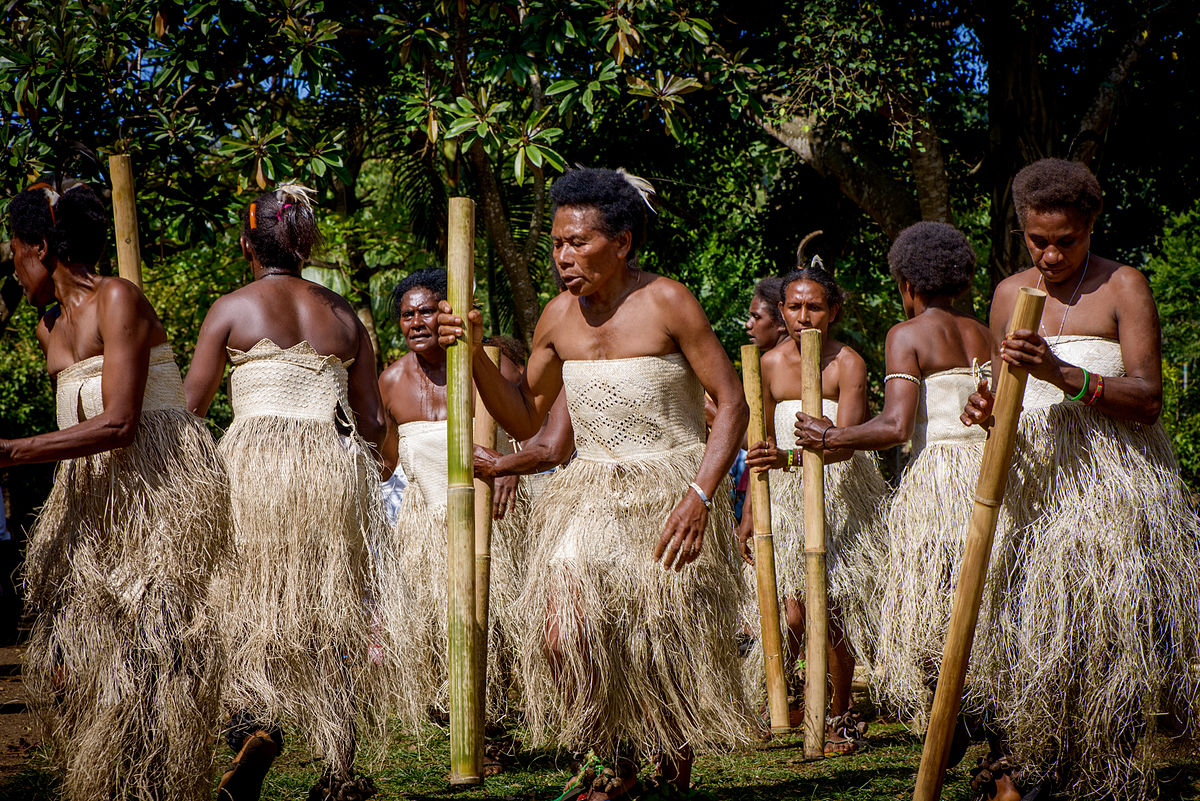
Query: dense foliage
(759, 125)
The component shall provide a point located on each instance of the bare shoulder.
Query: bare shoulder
(117, 293)
(1128, 279)
(398, 370)
(668, 290)
(848, 358)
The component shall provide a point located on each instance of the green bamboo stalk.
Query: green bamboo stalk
(466, 734)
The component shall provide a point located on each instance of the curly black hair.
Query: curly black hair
(1057, 185)
(816, 273)
(768, 289)
(284, 232)
(934, 258)
(431, 278)
(620, 205)
(74, 228)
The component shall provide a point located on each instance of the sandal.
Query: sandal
(845, 734)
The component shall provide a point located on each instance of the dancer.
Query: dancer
(414, 398)
(305, 497)
(764, 322)
(854, 490)
(631, 603)
(124, 658)
(933, 362)
(1099, 618)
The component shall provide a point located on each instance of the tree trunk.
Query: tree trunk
(867, 184)
(929, 170)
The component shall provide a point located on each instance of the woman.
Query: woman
(630, 606)
(811, 299)
(1099, 620)
(124, 654)
(304, 485)
(933, 361)
(413, 390)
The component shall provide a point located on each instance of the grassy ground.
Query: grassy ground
(415, 769)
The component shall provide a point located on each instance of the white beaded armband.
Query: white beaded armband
(905, 376)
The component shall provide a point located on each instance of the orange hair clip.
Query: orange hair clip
(253, 219)
(50, 194)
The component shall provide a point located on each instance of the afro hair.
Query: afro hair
(769, 290)
(74, 227)
(934, 258)
(1057, 185)
(431, 278)
(610, 193)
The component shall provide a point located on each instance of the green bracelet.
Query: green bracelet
(1087, 379)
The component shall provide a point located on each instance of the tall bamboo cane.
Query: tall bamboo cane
(989, 493)
(129, 256)
(816, 602)
(764, 551)
(466, 740)
(485, 435)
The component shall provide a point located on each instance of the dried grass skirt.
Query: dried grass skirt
(645, 658)
(124, 659)
(1101, 624)
(295, 611)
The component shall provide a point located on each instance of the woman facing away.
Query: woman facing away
(304, 490)
(934, 360)
(854, 490)
(124, 658)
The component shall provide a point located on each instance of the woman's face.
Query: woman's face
(418, 319)
(805, 305)
(30, 268)
(585, 257)
(1058, 243)
(761, 328)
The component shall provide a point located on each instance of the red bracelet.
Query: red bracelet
(1097, 392)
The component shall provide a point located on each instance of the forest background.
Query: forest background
(773, 131)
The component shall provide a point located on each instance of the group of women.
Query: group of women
(182, 585)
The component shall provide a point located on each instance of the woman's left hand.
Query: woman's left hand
(811, 430)
(504, 496)
(683, 535)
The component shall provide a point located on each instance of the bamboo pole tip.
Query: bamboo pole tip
(1032, 292)
(749, 352)
(810, 335)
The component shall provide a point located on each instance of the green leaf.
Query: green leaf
(558, 87)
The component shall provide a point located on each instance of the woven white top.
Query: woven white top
(944, 395)
(1098, 354)
(633, 408)
(78, 396)
(297, 383)
(785, 420)
(424, 454)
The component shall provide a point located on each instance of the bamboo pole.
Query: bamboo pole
(466, 736)
(485, 435)
(989, 493)
(764, 551)
(816, 602)
(124, 197)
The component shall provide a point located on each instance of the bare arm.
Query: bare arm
(549, 448)
(126, 333)
(364, 391)
(892, 426)
(208, 362)
(519, 407)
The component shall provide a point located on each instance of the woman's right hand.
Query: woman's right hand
(450, 326)
(978, 410)
(745, 533)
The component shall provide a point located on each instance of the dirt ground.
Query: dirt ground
(17, 724)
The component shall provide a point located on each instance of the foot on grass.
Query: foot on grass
(243, 781)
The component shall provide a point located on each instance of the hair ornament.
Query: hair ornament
(817, 264)
(253, 218)
(295, 195)
(284, 207)
(51, 197)
(644, 188)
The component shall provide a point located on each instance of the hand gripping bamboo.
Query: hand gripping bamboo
(129, 257)
(466, 735)
(485, 435)
(989, 492)
(764, 551)
(816, 601)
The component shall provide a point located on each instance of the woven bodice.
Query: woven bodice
(943, 397)
(785, 420)
(78, 394)
(424, 454)
(297, 383)
(1098, 354)
(633, 408)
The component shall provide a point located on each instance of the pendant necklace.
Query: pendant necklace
(1074, 297)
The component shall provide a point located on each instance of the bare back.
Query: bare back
(941, 338)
